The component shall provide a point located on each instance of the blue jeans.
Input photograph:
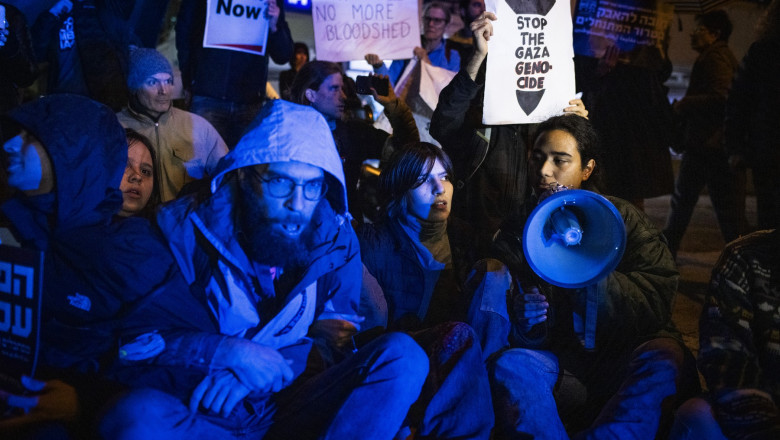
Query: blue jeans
(526, 394)
(622, 395)
(695, 420)
(455, 400)
(490, 285)
(229, 118)
(366, 396)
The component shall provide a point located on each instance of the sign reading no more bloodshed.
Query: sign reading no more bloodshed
(530, 66)
(240, 25)
(347, 30)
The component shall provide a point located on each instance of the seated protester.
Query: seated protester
(636, 358)
(435, 49)
(140, 184)
(490, 161)
(419, 261)
(270, 256)
(738, 338)
(65, 156)
(187, 146)
(320, 84)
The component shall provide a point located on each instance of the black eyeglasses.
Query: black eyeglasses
(434, 20)
(280, 186)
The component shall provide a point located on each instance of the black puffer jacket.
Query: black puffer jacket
(636, 304)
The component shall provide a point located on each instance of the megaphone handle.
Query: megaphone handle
(529, 307)
(592, 296)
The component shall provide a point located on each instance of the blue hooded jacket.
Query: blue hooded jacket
(202, 236)
(96, 270)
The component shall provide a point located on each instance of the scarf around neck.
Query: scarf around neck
(429, 241)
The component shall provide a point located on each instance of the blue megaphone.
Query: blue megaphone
(574, 238)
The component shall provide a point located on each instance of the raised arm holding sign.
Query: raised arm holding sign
(490, 160)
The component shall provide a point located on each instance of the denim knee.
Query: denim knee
(402, 357)
(695, 419)
(660, 354)
(525, 368)
(138, 413)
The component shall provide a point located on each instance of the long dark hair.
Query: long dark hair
(405, 171)
(311, 76)
(155, 199)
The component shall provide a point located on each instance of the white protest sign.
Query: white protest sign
(419, 86)
(346, 30)
(530, 66)
(239, 25)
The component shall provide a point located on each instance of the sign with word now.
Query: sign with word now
(347, 30)
(530, 63)
(240, 25)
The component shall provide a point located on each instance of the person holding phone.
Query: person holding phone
(434, 48)
(320, 84)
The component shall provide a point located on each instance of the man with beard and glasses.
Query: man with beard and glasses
(272, 258)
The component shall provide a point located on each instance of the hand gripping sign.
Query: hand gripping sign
(530, 66)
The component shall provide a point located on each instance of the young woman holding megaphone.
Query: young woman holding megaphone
(580, 291)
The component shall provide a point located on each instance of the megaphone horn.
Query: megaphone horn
(574, 238)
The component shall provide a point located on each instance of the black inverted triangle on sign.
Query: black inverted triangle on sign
(529, 100)
(541, 7)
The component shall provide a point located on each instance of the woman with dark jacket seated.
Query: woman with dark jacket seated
(416, 265)
(600, 361)
(419, 256)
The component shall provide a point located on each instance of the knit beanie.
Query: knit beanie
(145, 62)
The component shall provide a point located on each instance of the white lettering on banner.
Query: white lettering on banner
(16, 280)
(388, 28)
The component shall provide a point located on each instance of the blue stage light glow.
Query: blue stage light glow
(298, 5)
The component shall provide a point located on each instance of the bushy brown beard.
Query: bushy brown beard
(259, 240)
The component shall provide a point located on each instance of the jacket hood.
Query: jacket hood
(88, 152)
(283, 132)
